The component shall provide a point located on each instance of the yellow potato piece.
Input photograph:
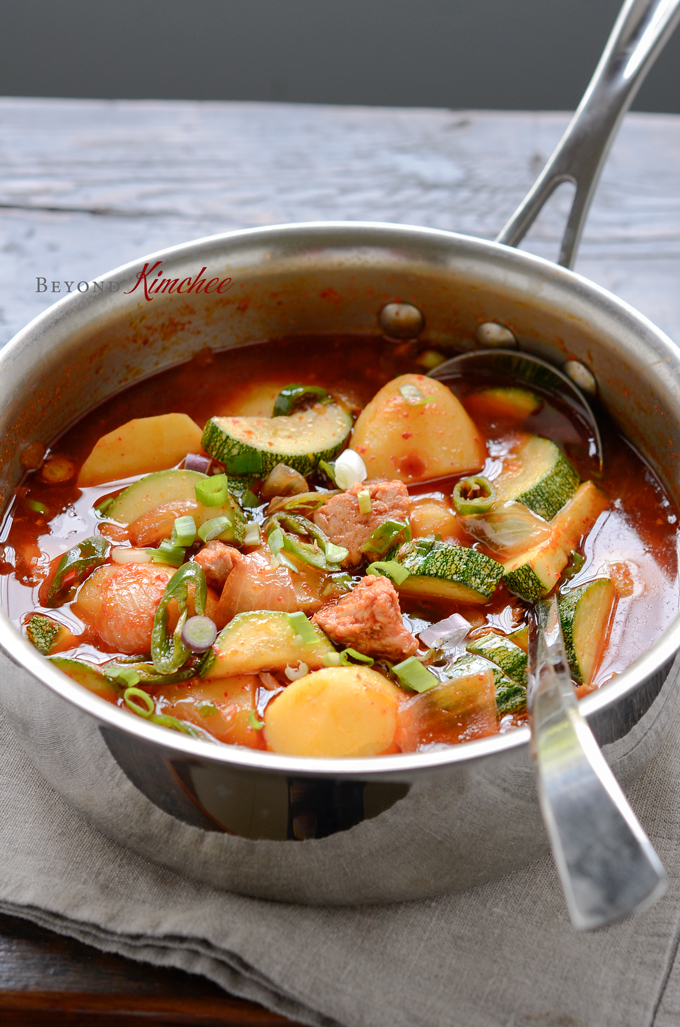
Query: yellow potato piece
(339, 711)
(141, 446)
(400, 437)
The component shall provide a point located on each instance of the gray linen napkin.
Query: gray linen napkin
(499, 955)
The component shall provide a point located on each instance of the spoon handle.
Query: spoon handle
(606, 862)
(642, 29)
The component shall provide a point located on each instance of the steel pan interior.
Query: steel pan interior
(337, 831)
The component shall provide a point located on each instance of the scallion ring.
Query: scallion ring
(473, 495)
(147, 706)
(214, 528)
(212, 491)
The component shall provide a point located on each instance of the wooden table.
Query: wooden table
(88, 185)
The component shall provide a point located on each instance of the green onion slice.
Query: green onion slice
(183, 531)
(383, 537)
(169, 654)
(331, 660)
(36, 506)
(291, 395)
(328, 469)
(213, 528)
(124, 675)
(364, 499)
(303, 627)
(414, 396)
(254, 722)
(139, 701)
(168, 553)
(389, 569)
(212, 491)
(350, 656)
(74, 567)
(473, 495)
(412, 674)
(165, 720)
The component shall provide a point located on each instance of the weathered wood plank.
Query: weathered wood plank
(87, 185)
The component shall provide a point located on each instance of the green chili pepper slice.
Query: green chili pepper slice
(473, 495)
(169, 654)
(291, 395)
(74, 567)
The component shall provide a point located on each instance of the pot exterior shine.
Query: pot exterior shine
(308, 830)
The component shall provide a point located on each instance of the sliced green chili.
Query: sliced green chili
(212, 491)
(74, 567)
(328, 469)
(389, 569)
(174, 724)
(473, 495)
(169, 654)
(350, 656)
(321, 553)
(147, 673)
(383, 537)
(292, 395)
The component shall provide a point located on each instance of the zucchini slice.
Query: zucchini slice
(152, 491)
(585, 613)
(262, 640)
(539, 476)
(87, 676)
(504, 653)
(255, 445)
(503, 404)
(535, 573)
(444, 570)
(511, 697)
(149, 507)
(47, 634)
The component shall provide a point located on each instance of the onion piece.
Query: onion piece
(196, 462)
(350, 469)
(449, 632)
(507, 529)
(199, 633)
(295, 673)
(128, 554)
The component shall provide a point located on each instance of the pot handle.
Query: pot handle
(642, 29)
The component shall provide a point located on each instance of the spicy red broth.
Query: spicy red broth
(349, 579)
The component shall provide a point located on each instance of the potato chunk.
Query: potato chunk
(339, 711)
(141, 446)
(401, 436)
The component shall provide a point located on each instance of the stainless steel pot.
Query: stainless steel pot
(356, 830)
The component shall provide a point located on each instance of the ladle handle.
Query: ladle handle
(605, 860)
(642, 29)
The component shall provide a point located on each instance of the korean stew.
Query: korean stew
(310, 547)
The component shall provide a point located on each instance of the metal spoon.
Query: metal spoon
(532, 371)
(606, 862)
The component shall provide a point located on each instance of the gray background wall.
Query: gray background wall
(503, 54)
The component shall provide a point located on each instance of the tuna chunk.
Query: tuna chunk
(216, 560)
(344, 523)
(368, 619)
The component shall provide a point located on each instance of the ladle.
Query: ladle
(524, 367)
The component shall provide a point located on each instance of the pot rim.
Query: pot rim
(27, 657)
